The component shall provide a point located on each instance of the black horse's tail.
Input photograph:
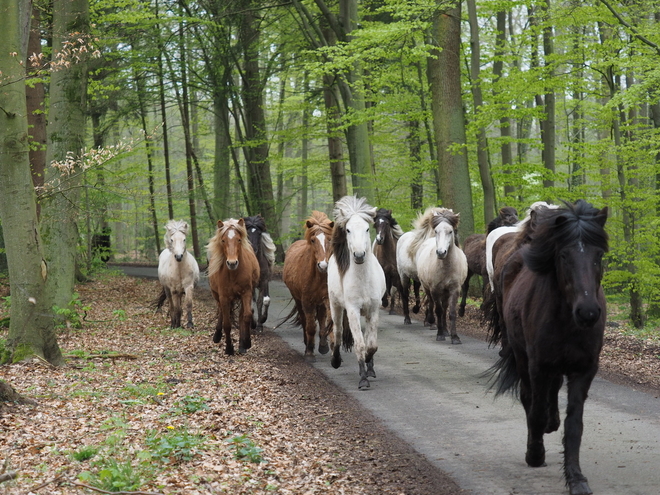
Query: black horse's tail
(491, 318)
(157, 304)
(503, 375)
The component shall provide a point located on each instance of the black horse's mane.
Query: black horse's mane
(256, 222)
(563, 227)
(340, 249)
(386, 214)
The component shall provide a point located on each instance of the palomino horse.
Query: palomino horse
(554, 311)
(442, 268)
(233, 275)
(388, 232)
(178, 273)
(356, 284)
(264, 249)
(474, 248)
(305, 274)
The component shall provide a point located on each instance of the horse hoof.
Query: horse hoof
(406, 320)
(335, 362)
(415, 309)
(461, 311)
(217, 337)
(440, 337)
(384, 303)
(371, 373)
(364, 383)
(324, 348)
(242, 350)
(536, 459)
(456, 340)
(579, 488)
(310, 358)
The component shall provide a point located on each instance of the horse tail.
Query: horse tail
(346, 335)
(503, 375)
(491, 318)
(157, 303)
(293, 317)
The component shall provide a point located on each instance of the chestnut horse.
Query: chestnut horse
(554, 311)
(388, 232)
(233, 275)
(305, 274)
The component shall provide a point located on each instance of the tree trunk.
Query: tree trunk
(482, 143)
(417, 181)
(505, 121)
(448, 117)
(66, 141)
(31, 320)
(548, 136)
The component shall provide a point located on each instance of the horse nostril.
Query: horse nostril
(359, 258)
(588, 316)
(178, 257)
(232, 265)
(323, 266)
(441, 253)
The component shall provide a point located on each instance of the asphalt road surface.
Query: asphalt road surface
(430, 394)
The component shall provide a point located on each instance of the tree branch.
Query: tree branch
(626, 24)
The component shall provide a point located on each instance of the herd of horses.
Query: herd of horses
(542, 298)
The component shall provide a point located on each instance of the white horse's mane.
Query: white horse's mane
(348, 206)
(174, 226)
(269, 247)
(424, 227)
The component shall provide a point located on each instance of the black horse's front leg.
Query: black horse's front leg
(364, 382)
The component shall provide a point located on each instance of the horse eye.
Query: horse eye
(348, 231)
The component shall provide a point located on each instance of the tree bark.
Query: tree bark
(448, 117)
(31, 321)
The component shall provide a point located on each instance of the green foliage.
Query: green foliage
(85, 453)
(190, 404)
(71, 317)
(120, 314)
(245, 449)
(113, 476)
(177, 445)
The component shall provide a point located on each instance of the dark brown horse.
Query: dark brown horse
(388, 232)
(264, 250)
(233, 275)
(305, 274)
(474, 248)
(554, 312)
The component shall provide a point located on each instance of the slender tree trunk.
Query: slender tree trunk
(548, 137)
(505, 121)
(31, 320)
(305, 151)
(456, 192)
(482, 142)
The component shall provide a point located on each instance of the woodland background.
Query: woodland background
(138, 111)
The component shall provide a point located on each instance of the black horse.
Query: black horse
(264, 249)
(554, 312)
(388, 232)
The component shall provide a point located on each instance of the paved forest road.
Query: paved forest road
(431, 395)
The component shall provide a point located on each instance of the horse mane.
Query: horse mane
(345, 208)
(425, 225)
(557, 228)
(267, 244)
(318, 221)
(396, 229)
(173, 226)
(216, 253)
(527, 225)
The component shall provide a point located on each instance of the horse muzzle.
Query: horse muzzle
(359, 258)
(587, 315)
(380, 240)
(178, 257)
(441, 253)
(322, 266)
(232, 265)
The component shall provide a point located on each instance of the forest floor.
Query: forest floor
(142, 408)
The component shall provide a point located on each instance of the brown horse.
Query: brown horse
(474, 248)
(305, 274)
(233, 275)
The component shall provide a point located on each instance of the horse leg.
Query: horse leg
(554, 419)
(418, 303)
(371, 342)
(188, 294)
(309, 326)
(337, 313)
(429, 318)
(451, 306)
(578, 388)
(217, 336)
(175, 309)
(226, 326)
(245, 323)
(537, 418)
(396, 283)
(440, 315)
(464, 291)
(388, 286)
(265, 303)
(358, 344)
(405, 301)
(321, 317)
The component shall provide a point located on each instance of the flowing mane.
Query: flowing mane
(217, 255)
(426, 223)
(318, 221)
(345, 208)
(557, 228)
(266, 243)
(396, 229)
(172, 227)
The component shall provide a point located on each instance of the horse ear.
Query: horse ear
(241, 222)
(332, 225)
(389, 212)
(220, 224)
(309, 224)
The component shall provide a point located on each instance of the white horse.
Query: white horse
(178, 273)
(356, 284)
(442, 268)
(500, 231)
